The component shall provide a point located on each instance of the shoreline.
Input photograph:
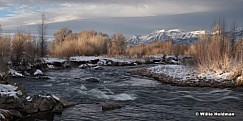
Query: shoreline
(166, 79)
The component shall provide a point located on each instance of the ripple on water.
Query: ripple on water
(140, 82)
(103, 93)
(47, 85)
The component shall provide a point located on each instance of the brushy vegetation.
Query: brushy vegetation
(85, 43)
(160, 47)
(218, 53)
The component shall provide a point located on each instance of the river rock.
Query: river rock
(44, 103)
(63, 102)
(44, 77)
(29, 108)
(58, 108)
(92, 79)
(8, 115)
(110, 106)
(3, 77)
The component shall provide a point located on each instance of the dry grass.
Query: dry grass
(85, 43)
(151, 49)
(161, 47)
(214, 54)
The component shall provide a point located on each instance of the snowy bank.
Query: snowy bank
(15, 105)
(187, 76)
(82, 61)
(14, 73)
(9, 91)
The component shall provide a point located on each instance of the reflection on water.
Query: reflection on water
(143, 98)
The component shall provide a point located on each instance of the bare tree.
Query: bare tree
(118, 44)
(62, 34)
(233, 37)
(42, 35)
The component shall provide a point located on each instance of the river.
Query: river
(143, 98)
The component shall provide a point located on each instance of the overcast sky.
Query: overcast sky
(111, 16)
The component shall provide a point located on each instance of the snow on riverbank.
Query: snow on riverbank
(9, 90)
(176, 71)
(103, 60)
(54, 60)
(14, 73)
(184, 73)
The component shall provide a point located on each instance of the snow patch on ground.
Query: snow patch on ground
(28, 98)
(38, 72)
(55, 97)
(54, 60)
(9, 90)
(176, 71)
(183, 73)
(13, 72)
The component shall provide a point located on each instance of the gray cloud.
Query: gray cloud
(126, 16)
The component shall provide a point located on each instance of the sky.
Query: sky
(111, 16)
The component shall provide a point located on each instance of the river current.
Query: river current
(142, 98)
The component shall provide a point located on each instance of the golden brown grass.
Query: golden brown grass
(214, 53)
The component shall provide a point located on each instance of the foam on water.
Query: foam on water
(47, 85)
(141, 82)
(104, 93)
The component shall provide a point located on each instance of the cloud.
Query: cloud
(27, 12)
(60, 10)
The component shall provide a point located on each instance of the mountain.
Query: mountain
(176, 35)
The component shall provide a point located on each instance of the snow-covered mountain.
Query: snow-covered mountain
(176, 35)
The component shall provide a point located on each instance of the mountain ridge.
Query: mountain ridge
(176, 35)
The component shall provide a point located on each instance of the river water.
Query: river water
(142, 98)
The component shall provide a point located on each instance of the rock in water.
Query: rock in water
(44, 103)
(110, 106)
(92, 79)
(7, 115)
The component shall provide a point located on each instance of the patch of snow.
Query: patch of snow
(83, 66)
(38, 72)
(215, 76)
(45, 96)
(83, 58)
(54, 60)
(50, 66)
(29, 98)
(176, 71)
(183, 73)
(9, 90)
(55, 97)
(15, 73)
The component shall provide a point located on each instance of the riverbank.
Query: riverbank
(16, 104)
(181, 75)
